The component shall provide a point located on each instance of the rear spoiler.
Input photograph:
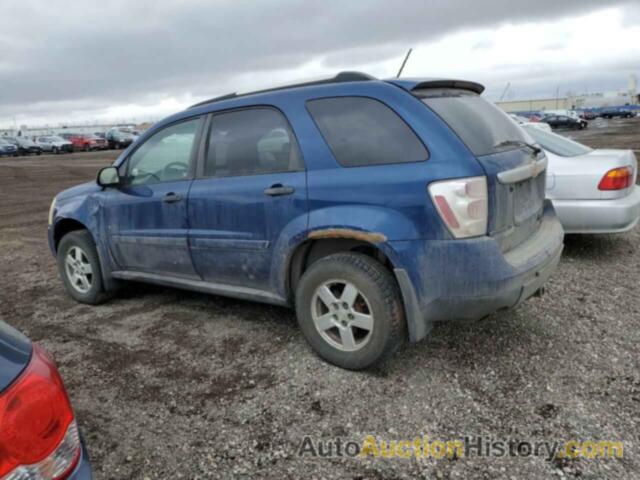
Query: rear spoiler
(461, 84)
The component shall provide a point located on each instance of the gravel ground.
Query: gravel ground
(171, 384)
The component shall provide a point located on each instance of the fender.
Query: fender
(86, 209)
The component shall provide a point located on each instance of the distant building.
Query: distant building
(621, 98)
(595, 100)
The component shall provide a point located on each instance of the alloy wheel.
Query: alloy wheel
(78, 269)
(342, 315)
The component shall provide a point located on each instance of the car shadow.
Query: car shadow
(603, 247)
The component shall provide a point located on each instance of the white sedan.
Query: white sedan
(593, 191)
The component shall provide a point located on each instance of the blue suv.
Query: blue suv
(375, 208)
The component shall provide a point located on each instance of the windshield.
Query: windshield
(556, 143)
(482, 126)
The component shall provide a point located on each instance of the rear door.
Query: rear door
(147, 216)
(250, 188)
(515, 167)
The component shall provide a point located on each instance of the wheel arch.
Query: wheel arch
(64, 226)
(318, 246)
(313, 249)
(67, 225)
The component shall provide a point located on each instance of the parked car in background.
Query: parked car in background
(118, 139)
(563, 121)
(395, 204)
(54, 144)
(525, 121)
(97, 142)
(39, 436)
(7, 149)
(593, 191)
(85, 142)
(617, 113)
(563, 111)
(587, 115)
(24, 145)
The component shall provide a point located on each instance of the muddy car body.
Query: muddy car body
(374, 207)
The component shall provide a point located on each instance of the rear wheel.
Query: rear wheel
(55, 150)
(349, 310)
(79, 267)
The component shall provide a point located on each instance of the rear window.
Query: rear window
(363, 131)
(555, 143)
(482, 126)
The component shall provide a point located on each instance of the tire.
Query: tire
(79, 245)
(377, 294)
(55, 151)
(87, 148)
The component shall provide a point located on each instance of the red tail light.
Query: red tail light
(617, 179)
(38, 434)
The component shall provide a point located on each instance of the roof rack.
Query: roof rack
(339, 78)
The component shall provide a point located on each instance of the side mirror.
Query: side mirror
(108, 177)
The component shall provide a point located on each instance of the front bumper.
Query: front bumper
(470, 279)
(599, 216)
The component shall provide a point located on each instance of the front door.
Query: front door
(252, 186)
(147, 217)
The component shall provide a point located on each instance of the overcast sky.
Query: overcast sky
(79, 62)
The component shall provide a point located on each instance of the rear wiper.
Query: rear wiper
(519, 143)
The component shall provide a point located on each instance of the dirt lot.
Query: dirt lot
(169, 384)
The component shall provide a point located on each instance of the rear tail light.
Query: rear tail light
(38, 434)
(463, 205)
(617, 179)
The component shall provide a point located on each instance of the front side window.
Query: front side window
(362, 131)
(165, 157)
(555, 143)
(251, 142)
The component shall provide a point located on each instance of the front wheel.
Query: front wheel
(79, 267)
(350, 311)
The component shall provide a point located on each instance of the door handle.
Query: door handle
(171, 197)
(278, 189)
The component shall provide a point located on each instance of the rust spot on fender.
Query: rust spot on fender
(371, 237)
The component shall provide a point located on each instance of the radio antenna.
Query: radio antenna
(404, 62)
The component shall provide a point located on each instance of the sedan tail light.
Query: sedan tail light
(463, 205)
(38, 434)
(617, 179)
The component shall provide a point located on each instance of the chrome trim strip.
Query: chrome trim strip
(524, 172)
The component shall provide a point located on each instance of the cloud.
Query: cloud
(60, 58)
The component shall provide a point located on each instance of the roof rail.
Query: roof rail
(339, 78)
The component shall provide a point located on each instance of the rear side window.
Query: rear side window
(251, 142)
(482, 126)
(363, 131)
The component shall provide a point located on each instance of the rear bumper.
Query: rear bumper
(599, 216)
(470, 279)
(83, 469)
